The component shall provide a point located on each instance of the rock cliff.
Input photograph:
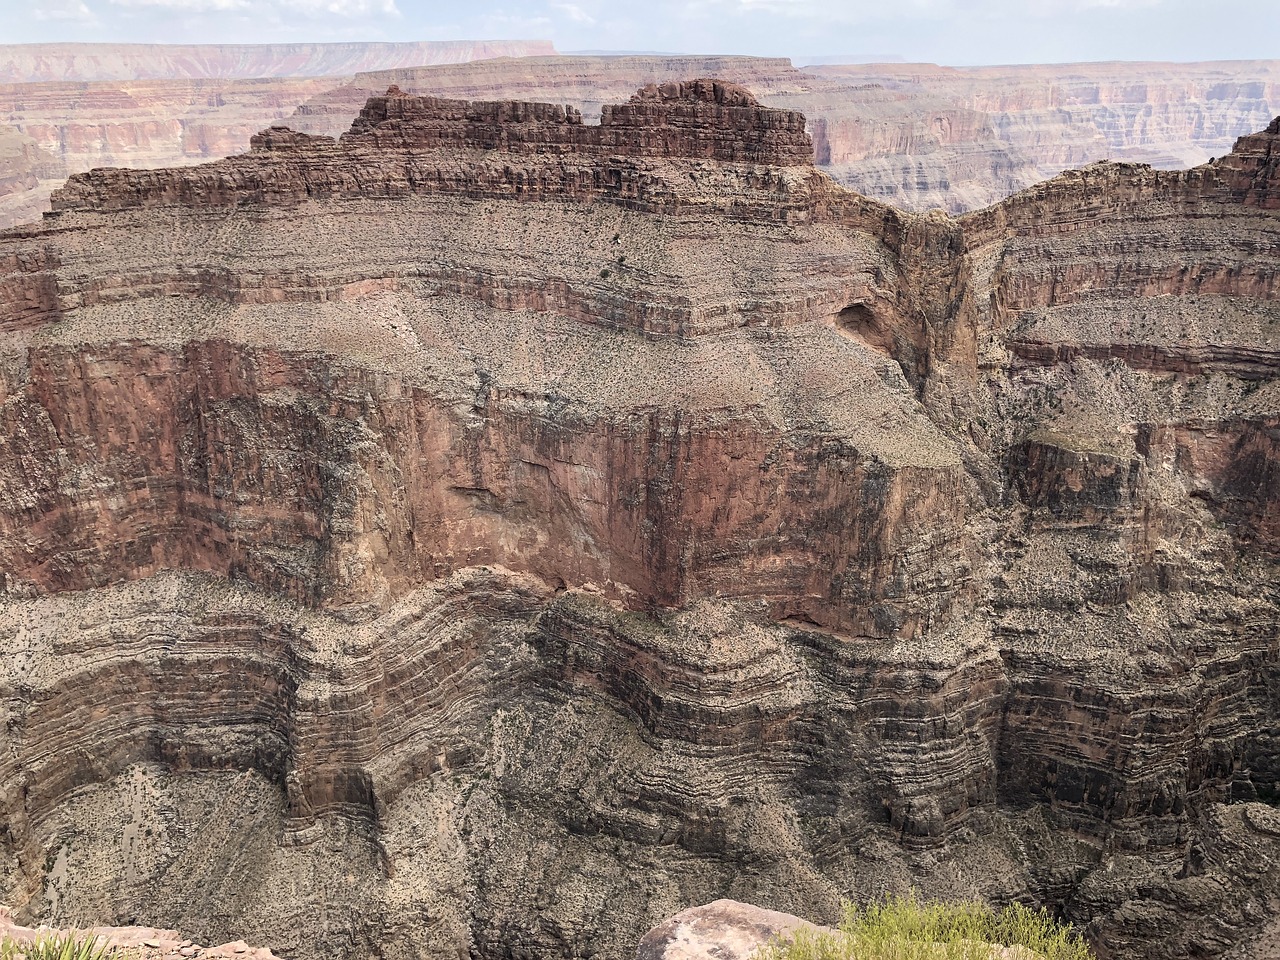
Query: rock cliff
(1005, 123)
(24, 170)
(916, 135)
(558, 524)
(916, 148)
(93, 105)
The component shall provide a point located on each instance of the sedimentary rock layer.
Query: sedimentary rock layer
(898, 155)
(1047, 117)
(94, 105)
(559, 524)
(919, 136)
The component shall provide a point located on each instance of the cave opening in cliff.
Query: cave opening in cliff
(859, 322)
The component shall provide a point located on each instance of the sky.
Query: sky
(939, 31)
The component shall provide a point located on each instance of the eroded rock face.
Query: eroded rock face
(559, 524)
(918, 136)
(81, 106)
(971, 135)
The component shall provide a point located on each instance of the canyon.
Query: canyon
(489, 533)
(915, 135)
(66, 108)
(1045, 118)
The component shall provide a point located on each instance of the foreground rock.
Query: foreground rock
(553, 524)
(723, 930)
(729, 930)
(141, 943)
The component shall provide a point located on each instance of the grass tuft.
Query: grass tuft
(907, 928)
(59, 946)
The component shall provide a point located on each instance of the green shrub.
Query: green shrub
(59, 946)
(906, 928)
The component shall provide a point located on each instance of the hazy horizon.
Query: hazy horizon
(984, 32)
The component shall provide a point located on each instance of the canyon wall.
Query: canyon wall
(139, 105)
(1053, 117)
(913, 148)
(558, 524)
(918, 136)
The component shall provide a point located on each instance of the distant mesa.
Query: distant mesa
(48, 62)
(402, 144)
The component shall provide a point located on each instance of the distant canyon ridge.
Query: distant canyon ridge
(919, 136)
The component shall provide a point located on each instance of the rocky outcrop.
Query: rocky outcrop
(725, 929)
(94, 105)
(917, 136)
(399, 134)
(696, 119)
(557, 524)
(728, 930)
(145, 943)
(910, 149)
(61, 62)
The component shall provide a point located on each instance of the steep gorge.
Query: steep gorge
(555, 524)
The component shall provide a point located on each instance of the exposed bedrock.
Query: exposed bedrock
(205, 460)
(960, 134)
(555, 528)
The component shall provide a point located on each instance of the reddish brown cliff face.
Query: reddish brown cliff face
(559, 523)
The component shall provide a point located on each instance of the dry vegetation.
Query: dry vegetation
(59, 946)
(905, 928)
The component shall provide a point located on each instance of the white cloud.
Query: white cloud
(189, 6)
(310, 8)
(574, 12)
(342, 8)
(73, 11)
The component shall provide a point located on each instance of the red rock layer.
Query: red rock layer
(700, 120)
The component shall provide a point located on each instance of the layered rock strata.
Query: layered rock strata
(139, 105)
(25, 172)
(916, 135)
(559, 524)
(917, 149)
(919, 136)
(1037, 119)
